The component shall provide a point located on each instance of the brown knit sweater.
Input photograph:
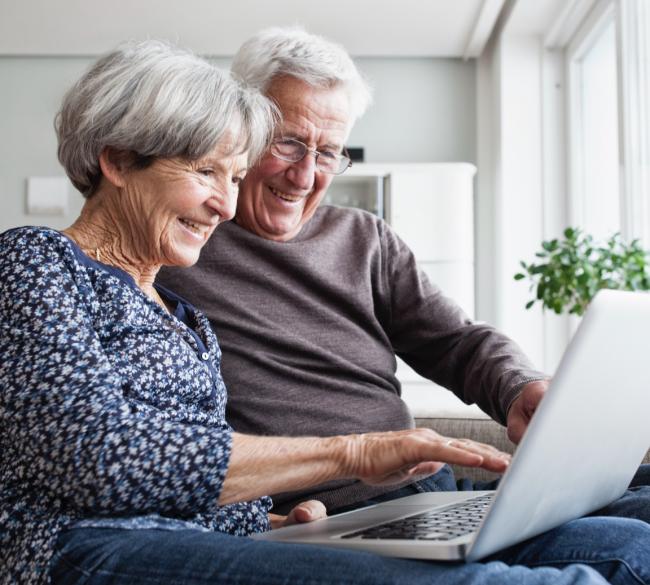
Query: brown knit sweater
(309, 331)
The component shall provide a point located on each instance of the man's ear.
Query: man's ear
(114, 166)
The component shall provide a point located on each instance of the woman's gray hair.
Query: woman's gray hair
(313, 59)
(153, 100)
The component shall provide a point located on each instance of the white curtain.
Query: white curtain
(634, 71)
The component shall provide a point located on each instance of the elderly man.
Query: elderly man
(311, 304)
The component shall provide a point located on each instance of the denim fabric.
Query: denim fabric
(610, 546)
(108, 556)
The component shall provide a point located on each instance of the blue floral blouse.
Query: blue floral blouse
(110, 407)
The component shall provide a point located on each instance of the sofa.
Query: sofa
(471, 424)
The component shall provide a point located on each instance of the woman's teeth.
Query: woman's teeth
(285, 196)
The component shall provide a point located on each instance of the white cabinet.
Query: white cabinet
(431, 207)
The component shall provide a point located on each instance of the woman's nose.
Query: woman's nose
(224, 203)
(230, 204)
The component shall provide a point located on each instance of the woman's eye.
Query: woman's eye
(206, 172)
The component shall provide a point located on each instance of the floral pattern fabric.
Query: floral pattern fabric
(110, 407)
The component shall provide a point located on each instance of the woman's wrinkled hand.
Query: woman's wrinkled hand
(394, 457)
(304, 512)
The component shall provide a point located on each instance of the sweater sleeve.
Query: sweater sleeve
(433, 335)
(65, 425)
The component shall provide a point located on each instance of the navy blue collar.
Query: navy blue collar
(183, 310)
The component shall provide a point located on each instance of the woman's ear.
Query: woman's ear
(114, 166)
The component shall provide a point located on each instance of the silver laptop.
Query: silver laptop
(580, 452)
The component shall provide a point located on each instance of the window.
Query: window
(596, 162)
(634, 84)
(595, 199)
(608, 65)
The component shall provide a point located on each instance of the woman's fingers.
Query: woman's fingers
(422, 470)
(492, 458)
(387, 458)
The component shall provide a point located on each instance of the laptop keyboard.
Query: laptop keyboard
(439, 524)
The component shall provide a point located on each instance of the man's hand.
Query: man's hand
(304, 512)
(523, 408)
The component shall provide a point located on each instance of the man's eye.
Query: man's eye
(206, 172)
(328, 154)
(237, 180)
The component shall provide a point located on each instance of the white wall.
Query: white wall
(424, 111)
(520, 97)
(510, 209)
(30, 95)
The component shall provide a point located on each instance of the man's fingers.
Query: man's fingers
(523, 408)
(516, 430)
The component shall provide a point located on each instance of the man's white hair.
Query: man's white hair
(310, 58)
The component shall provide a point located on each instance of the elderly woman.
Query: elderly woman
(116, 462)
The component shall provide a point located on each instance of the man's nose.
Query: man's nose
(302, 173)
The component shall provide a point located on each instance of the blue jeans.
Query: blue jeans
(596, 549)
(102, 556)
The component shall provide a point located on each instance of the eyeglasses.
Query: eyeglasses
(293, 150)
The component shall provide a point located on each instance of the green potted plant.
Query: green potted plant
(569, 272)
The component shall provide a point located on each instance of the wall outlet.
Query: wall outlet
(47, 195)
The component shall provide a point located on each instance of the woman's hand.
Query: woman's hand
(387, 458)
(304, 512)
(271, 465)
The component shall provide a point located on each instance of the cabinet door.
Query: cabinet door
(432, 211)
(362, 192)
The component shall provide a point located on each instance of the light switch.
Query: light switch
(47, 195)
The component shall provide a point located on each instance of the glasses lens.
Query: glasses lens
(334, 164)
(288, 149)
(293, 150)
(328, 162)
